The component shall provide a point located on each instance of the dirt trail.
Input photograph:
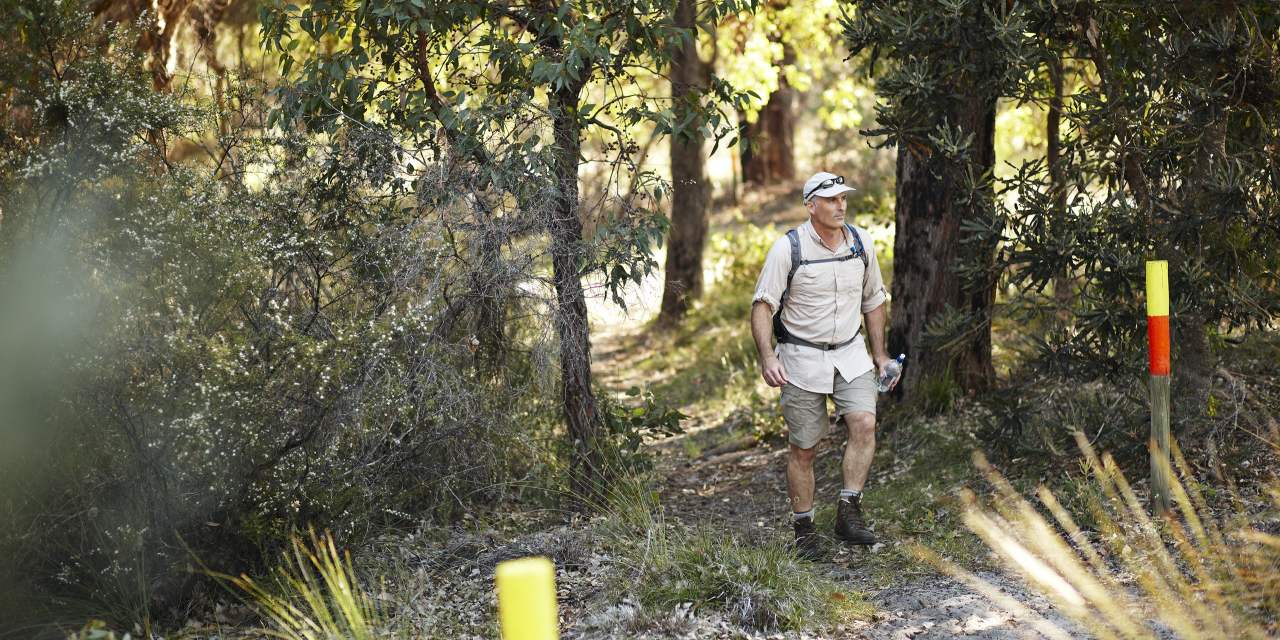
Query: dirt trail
(744, 493)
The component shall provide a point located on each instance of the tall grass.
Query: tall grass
(316, 595)
(1195, 571)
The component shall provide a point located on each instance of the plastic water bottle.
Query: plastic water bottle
(892, 371)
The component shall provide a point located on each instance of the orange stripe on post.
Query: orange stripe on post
(1158, 341)
(1158, 316)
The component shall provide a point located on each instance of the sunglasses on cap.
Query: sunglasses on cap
(829, 182)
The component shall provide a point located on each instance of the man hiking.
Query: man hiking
(820, 280)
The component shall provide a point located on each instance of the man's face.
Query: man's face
(827, 213)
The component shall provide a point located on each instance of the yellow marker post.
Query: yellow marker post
(527, 599)
(1158, 359)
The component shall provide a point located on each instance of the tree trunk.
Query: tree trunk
(927, 246)
(1063, 284)
(580, 410)
(490, 323)
(772, 137)
(691, 192)
(156, 40)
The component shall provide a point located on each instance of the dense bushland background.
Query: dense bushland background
(266, 267)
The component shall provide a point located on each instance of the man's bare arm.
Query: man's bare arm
(876, 319)
(762, 331)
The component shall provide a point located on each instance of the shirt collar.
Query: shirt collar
(846, 241)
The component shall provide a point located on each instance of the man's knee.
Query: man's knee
(803, 457)
(860, 423)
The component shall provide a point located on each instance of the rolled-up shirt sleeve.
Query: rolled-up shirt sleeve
(773, 275)
(873, 291)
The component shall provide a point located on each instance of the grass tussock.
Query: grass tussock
(761, 587)
(1194, 571)
(316, 595)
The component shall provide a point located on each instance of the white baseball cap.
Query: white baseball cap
(824, 184)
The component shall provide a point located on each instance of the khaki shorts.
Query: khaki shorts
(805, 412)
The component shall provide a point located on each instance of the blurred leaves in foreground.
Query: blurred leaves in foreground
(1200, 571)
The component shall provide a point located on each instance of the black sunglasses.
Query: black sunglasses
(829, 182)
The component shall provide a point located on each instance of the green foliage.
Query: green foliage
(795, 42)
(508, 87)
(927, 57)
(938, 394)
(1173, 164)
(196, 364)
(1041, 415)
(628, 425)
(735, 257)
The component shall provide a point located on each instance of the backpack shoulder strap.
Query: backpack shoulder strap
(794, 238)
(860, 250)
(779, 329)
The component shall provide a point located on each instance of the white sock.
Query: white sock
(802, 515)
(850, 493)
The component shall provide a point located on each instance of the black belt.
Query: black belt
(813, 345)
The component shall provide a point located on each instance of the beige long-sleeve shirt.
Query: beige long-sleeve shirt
(824, 305)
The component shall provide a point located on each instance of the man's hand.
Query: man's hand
(771, 369)
(881, 360)
(762, 332)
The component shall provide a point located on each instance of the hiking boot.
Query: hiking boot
(806, 545)
(850, 525)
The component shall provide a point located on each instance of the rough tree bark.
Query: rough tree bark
(580, 410)
(927, 246)
(691, 192)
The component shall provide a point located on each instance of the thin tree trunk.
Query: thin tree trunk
(1063, 284)
(927, 246)
(691, 193)
(490, 307)
(580, 410)
(772, 137)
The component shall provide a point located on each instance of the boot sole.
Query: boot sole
(860, 543)
(863, 542)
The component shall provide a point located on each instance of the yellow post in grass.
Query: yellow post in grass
(527, 599)
(1158, 345)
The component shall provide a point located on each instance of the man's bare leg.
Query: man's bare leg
(851, 525)
(859, 450)
(800, 477)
